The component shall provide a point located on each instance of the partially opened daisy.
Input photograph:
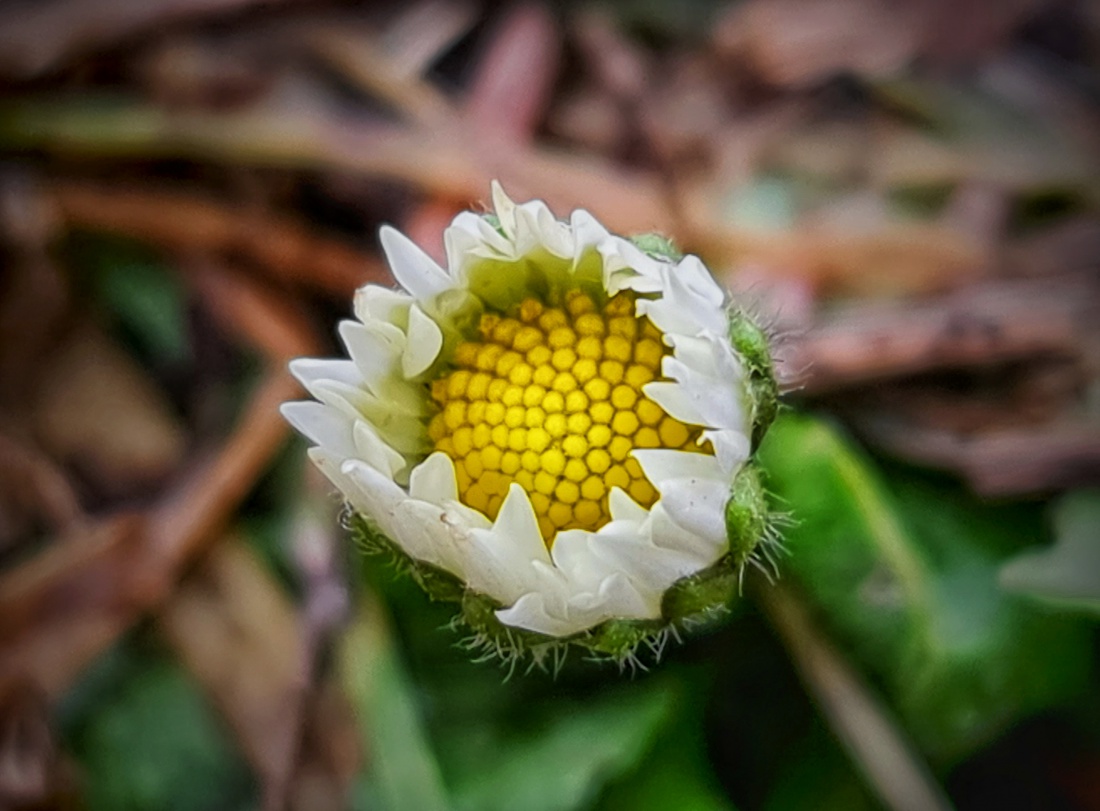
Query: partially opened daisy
(555, 431)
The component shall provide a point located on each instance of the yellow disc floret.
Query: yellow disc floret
(551, 398)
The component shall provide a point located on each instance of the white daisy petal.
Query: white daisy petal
(623, 508)
(695, 276)
(373, 450)
(424, 342)
(674, 399)
(486, 377)
(588, 234)
(414, 270)
(433, 480)
(668, 534)
(652, 568)
(324, 426)
(716, 403)
(616, 597)
(376, 350)
(699, 506)
(731, 449)
(517, 526)
(374, 303)
(310, 370)
(661, 464)
(505, 210)
(529, 613)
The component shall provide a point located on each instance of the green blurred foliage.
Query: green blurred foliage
(147, 738)
(817, 775)
(904, 569)
(142, 295)
(1067, 574)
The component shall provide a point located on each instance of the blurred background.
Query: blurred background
(906, 191)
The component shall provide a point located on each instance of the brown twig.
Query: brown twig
(875, 742)
(38, 37)
(254, 312)
(1009, 462)
(978, 326)
(239, 634)
(454, 164)
(189, 222)
(65, 606)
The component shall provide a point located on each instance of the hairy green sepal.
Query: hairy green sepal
(691, 603)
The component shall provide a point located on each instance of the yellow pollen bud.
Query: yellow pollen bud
(551, 399)
(539, 356)
(529, 310)
(647, 438)
(561, 337)
(494, 413)
(586, 512)
(593, 488)
(590, 324)
(575, 401)
(563, 359)
(544, 375)
(574, 446)
(575, 470)
(519, 373)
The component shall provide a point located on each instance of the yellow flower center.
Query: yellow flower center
(551, 398)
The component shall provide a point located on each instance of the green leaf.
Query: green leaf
(148, 739)
(560, 762)
(402, 770)
(140, 292)
(674, 774)
(906, 574)
(1066, 574)
(817, 775)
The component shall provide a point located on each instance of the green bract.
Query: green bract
(555, 433)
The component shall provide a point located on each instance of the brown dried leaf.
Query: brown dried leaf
(34, 493)
(800, 43)
(69, 603)
(62, 608)
(190, 222)
(978, 326)
(97, 410)
(38, 37)
(515, 76)
(238, 633)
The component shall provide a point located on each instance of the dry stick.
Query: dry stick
(515, 78)
(876, 744)
(454, 164)
(998, 463)
(324, 608)
(62, 608)
(190, 222)
(980, 325)
(195, 512)
(507, 98)
(357, 58)
(37, 37)
(259, 315)
(254, 312)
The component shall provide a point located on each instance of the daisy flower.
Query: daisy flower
(555, 431)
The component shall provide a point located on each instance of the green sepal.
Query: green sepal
(700, 598)
(689, 604)
(746, 514)
(751, 343)
(658, 246)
